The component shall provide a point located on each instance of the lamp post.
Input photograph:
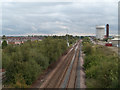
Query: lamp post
(67, 38)
(66, 28)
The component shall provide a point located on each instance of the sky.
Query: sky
(58, 18)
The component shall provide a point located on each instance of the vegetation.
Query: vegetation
(105, 39)
(101, 66)
(3, 37)
(25, 62)
(4, 44)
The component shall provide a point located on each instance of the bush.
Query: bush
(88, 50)
(4, 44)
(101, 67)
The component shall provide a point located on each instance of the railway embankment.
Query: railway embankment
(101, 66)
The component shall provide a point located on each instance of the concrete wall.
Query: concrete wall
(100, 32)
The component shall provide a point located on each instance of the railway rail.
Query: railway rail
(67, 73)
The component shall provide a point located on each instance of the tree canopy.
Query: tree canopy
(4, 44)
(30, 59)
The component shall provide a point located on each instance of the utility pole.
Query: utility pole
(67, 38)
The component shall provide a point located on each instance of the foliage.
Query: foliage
(88, 49)
(4, 44)
(85, 40)
(20, 82)
(25, 62)
(101, 67)
(105, 39)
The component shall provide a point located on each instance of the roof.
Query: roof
(100, 27)
(115, 39)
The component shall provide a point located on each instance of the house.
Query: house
(17, 42)
(21, 39)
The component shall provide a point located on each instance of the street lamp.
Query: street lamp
(66, 28)
(67, 38)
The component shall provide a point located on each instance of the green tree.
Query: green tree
(24, 63)
(3, 37)
(88, 49)
(4, 44)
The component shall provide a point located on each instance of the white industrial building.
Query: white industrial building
(115, 41)
(100, 32)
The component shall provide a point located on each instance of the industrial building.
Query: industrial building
(115, 41)
(100, 32)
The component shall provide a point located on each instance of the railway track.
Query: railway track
(70, 80)
(67, 72)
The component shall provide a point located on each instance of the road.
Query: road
(66, 74)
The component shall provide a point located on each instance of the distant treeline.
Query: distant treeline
(101, 66)
(24, 63)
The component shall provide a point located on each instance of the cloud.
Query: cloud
(34, 28)
(56, 17)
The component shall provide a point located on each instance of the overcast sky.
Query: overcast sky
(79, 18)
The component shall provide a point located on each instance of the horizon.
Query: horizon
(53, 35)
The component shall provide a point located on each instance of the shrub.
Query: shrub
(101, 67)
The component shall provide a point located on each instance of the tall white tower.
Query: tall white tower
(100, 32)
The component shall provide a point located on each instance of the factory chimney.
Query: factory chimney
(107, 30)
